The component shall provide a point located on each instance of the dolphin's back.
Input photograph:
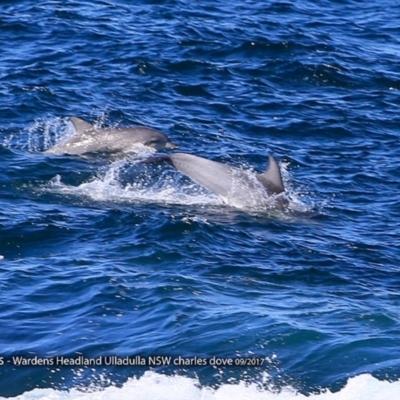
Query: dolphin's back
(89, 139)
(213, 175)
(235, 186)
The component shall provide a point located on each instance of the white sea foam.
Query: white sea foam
(109, 186)
(161, 387)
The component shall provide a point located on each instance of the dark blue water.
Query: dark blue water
(110, 257)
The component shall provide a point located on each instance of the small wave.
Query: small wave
(157, 386)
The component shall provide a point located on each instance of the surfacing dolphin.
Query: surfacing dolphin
(89, 139)
(235, 186)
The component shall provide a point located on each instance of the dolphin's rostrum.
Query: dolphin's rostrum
(234, 185)
(89, 139)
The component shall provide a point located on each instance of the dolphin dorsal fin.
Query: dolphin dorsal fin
(272, 178)
(81, 125)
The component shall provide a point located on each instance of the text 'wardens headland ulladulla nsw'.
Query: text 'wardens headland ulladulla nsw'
(131, 361)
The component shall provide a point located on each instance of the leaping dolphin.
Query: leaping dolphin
(89, 139)
(235, 186)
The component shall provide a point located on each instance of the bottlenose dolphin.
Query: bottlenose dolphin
(89, 139)
(235, 186)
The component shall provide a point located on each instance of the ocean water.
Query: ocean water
(126, 280)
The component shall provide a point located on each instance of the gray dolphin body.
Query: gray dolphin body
(89, 139)
(235, 186)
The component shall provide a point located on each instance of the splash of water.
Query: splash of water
(161, 387)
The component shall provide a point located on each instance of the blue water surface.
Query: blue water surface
(110, 257)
